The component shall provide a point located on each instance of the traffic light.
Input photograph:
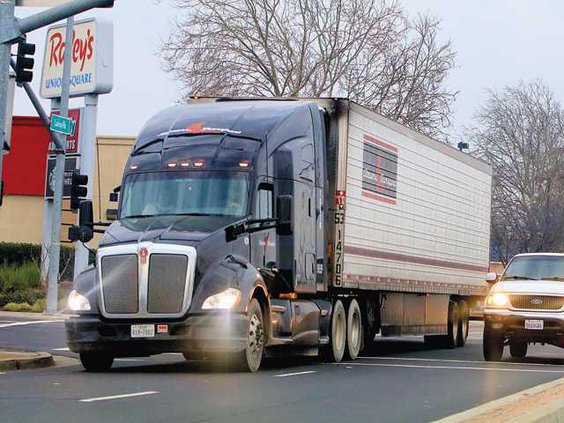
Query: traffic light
(24, 64)
(78, 189)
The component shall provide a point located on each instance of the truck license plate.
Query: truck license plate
(142, 331)
(534, 324)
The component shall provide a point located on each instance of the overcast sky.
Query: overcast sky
(497, 43)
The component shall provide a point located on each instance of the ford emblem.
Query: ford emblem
(536, 301)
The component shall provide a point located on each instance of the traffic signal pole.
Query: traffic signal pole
(55, 248)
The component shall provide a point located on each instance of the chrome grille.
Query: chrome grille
(167, 279)
(536, 302)
(120, 284)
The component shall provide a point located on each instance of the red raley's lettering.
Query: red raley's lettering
(82, 49)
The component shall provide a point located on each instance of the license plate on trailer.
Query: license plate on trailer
(534, 324)
(142, 331)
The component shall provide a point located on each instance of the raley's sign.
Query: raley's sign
(91, 59)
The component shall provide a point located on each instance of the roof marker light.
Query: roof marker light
(171, 165)
(244, 164)
(133, 167)
(185, 164)
(199, 163)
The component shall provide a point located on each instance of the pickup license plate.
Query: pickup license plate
(534, 324)
(142, 331)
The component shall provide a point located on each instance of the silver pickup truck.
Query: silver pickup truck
(526, 305)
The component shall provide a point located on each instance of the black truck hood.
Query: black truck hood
(188, 230)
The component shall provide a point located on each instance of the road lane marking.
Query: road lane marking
(128, 359)
(34, 322)
(61, 349)
(457, 361)
(308, 372)
(421, 366)
(135, 394)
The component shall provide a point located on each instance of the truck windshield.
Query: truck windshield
(535, 268)
(190, 193)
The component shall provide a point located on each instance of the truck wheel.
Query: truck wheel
(354, 330)
(464, 323)
(250, 358)
(335, 351)
(518, 349)
(492, 345)
(96, 362)
(450, 340)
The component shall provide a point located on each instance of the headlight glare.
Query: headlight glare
(78, 302)
(498, 300)
(224, 300)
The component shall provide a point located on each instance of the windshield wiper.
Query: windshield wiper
(519, 278)
(137, 216)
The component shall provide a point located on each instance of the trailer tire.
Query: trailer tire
(335, 351)
(518, 349)
(250, 358)
(96, 362)
(464, 323)
(451, 339)
(354, 330)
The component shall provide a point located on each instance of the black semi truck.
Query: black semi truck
(253, 227)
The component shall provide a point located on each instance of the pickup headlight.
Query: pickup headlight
(78, 302)
(222, 301)
(497, 300)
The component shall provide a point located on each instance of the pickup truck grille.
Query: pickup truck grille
(146, 280)
(536, 302)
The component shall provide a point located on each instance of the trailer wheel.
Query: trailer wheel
(451, 339)
(464, 323)
(492, 345)
(354, 330)
(518, 349)
(250, 358)
(96, 362)
(335, 351)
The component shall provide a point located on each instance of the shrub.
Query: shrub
(19, 277)
(18, 307)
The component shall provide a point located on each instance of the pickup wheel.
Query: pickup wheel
(335, 351)
(518, 349)
(250, 358)
(354, 330)
(96, 362)
(492, 345)
(464, 323)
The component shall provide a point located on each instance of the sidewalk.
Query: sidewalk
(541, 404)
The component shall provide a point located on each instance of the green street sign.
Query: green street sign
(62, 125)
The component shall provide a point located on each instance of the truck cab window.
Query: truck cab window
(264, 203)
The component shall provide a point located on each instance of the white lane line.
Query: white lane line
(128, 359)
(457, 361)
(475, 333)
(308, 372)
(420, 366)
(61, 349)
(135, 394)
(2, 373)
(34, 322)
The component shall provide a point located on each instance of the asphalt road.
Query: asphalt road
(398, 380)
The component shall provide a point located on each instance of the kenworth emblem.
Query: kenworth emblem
(143, 253)
(536, 301)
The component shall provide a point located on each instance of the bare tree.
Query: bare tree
(368, 50)
(520, 132)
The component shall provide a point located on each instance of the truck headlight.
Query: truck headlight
(497, 300)
(222, 301)
(78, 302)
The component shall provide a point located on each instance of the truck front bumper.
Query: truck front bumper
(207, 333)
(511, 324)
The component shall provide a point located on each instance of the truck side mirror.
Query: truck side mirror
(284, 206)
(111, 214)
(491, 277)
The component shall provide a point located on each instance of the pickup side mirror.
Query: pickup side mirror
(491, 277)
(284, 207)
(111, 214)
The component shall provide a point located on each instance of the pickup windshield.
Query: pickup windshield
(535, 268)
(190, 193)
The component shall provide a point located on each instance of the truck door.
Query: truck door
(263, 242)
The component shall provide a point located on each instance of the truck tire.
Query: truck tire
(464, 323)
(96, 362)
(518, 349)
(250, 358)
(335, 351)
(492, 345)
(450, 340)
(354, 330)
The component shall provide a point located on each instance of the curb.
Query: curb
(34, 316)
(551, 410)
(36, 360)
